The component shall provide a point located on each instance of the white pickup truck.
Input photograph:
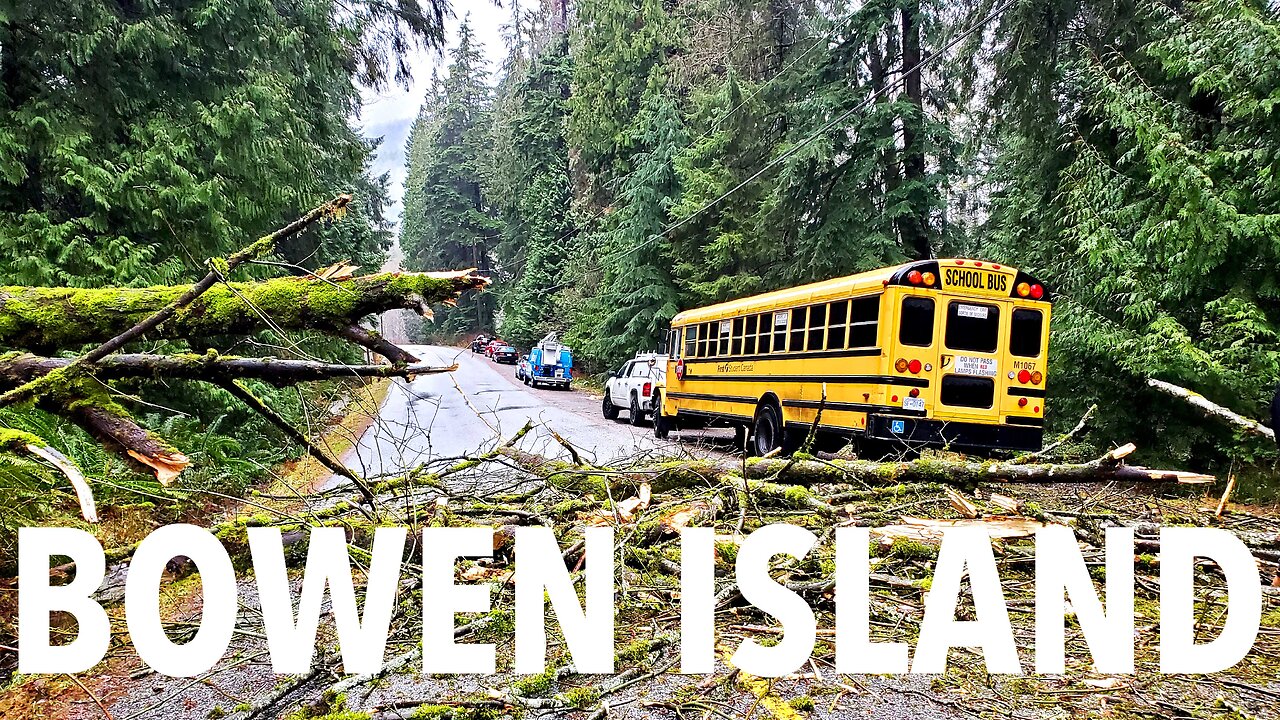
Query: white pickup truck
(632, 386)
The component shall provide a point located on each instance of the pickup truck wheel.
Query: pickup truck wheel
(637, 415)
(607, 408)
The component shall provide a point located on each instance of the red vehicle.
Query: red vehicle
(493, 345)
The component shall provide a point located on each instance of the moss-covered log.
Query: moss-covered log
(48, 319)
(803, 470)
(87, 403)
(211, 367)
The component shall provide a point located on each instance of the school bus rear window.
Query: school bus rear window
(916, 324)
(972, 326)
(1026, 329)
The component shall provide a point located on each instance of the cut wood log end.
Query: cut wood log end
(413, 371)
(1122, 452)
(166, 467)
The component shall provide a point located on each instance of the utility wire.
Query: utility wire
(821, 131)
(825, 38)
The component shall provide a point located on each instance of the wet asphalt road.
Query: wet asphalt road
(438, 417)
(481, 404)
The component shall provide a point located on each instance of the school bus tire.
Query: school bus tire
(766, 430)
(661, 424)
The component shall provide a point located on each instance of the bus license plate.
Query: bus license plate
(979, 366)
(910, 403)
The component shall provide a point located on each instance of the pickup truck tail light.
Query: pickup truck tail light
(648, 389)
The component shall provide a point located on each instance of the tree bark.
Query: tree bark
(86, 402)
(209, 368)
(805, 471)
(48, 319)
(914, 225)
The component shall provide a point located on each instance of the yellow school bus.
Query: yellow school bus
(936, 353)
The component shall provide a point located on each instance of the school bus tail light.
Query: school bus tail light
(900, 365)
(928, 279)
(914, 392)
(1024, 289)
(1022, 402)
(1024, 376)
(1037, 292)
(915, 277)
(914, 367)
(1037, 377)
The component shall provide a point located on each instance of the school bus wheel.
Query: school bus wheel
(767, 432)
(661, 425)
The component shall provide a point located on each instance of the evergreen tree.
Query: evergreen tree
(637, 296)
(619, 48)
(448, 222)
(139, 139)
(1138, 177)
(539, 196)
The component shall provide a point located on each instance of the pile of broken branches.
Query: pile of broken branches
(908, 505)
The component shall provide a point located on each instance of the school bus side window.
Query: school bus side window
(864, 322)
(779, 320)
(915, 324)
(736, 348)
(766, 333)
(749, 339)
(1025, 332)
(837, 325)
(799, 321)
(817, 327)
(691, 341)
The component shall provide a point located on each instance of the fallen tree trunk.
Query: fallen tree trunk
(1213, 410)
(804, 470)
(210, 367)
(47, 319)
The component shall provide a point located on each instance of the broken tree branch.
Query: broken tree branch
(86, 402)
(248, 398)
(1213, 410)
(929, 469)
(371, 340)
(1047, 451)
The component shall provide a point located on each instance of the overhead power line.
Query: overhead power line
(821, 131)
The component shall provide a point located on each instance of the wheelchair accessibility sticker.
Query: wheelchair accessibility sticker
(898, 427)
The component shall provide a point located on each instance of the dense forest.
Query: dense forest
(630, 159)
(140, 139)
(626, 160)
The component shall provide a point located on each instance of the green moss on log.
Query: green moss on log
(40, 318)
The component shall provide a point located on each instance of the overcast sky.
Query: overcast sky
(390, 113)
